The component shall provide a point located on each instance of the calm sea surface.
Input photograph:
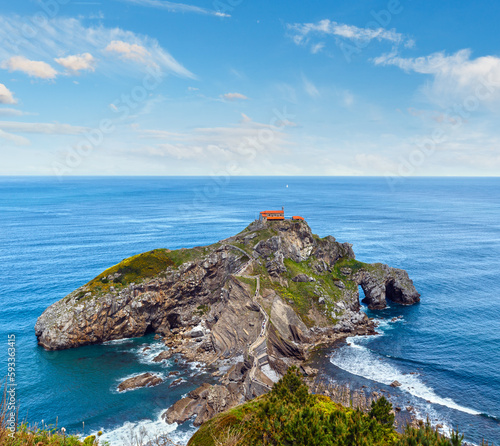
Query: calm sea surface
(56, 236)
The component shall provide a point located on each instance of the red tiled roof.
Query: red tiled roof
(297, 217)
(272, 212)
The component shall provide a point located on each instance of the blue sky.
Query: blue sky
(246, 87)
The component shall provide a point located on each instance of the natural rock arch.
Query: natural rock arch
(382, 282)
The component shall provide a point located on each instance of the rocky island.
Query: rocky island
(262, 299)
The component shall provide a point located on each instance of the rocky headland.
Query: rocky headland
(262, 299)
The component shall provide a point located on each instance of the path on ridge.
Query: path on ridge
(262, 336)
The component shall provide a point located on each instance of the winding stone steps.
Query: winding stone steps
(259, 347)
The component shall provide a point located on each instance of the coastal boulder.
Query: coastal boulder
(144, 380)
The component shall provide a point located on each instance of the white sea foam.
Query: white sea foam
(146, 357)
(359, 360)
(196, 366)
(148, 429)
(117, 341)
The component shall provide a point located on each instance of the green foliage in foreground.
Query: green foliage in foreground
(290, 416)
(35, 436)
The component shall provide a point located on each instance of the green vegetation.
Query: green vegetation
(47, 436)
(352, 264)
(184, 255)
(290, 416)
(242, 247)
(202, 309)
(132, 270)
(140, 267)
(303, 295)
(264, 234)
(251, 282)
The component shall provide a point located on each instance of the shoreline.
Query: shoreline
(359, 391)
(349, 394)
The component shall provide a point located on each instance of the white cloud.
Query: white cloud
(245, 119)
(131, 51)
(15, 139)
(303, 33)
(310, 88)
(32, 68)
(244, 142)
(375, 163)
(347, 98)
(177, 7)
(77, 62)
(61, 36)
(13, 112)
(234, 96)
(455, 76)
(6, 96)
(316, 48)
(41, 128)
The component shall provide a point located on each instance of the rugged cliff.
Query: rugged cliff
(267, 295)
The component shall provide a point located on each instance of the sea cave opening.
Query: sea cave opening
(393, 293)
(362, 296)
(174, 321)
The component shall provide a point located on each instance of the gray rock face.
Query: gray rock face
(144, 380)
(207, 312)
(161, 304)
(381, 282)
(196, 333)
(202, 403)
(303, 278)
(204, 290)
(169, 301)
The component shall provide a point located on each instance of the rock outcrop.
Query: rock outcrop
(381, 282)
(144, 380)
(202, 404)
(267, 295)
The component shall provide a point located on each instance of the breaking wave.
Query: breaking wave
(359, 360)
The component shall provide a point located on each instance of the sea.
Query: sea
(57, 234)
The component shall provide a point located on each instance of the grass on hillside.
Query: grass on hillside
(140, 267)
(303, 295)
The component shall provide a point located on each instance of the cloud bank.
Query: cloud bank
(75, 46)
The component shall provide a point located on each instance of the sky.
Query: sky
(391, 88)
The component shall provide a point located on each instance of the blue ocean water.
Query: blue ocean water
(55, 236)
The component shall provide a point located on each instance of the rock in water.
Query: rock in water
(165, 291)
(395, 384)
(269, 294)
(381, 282)
(144, 380)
